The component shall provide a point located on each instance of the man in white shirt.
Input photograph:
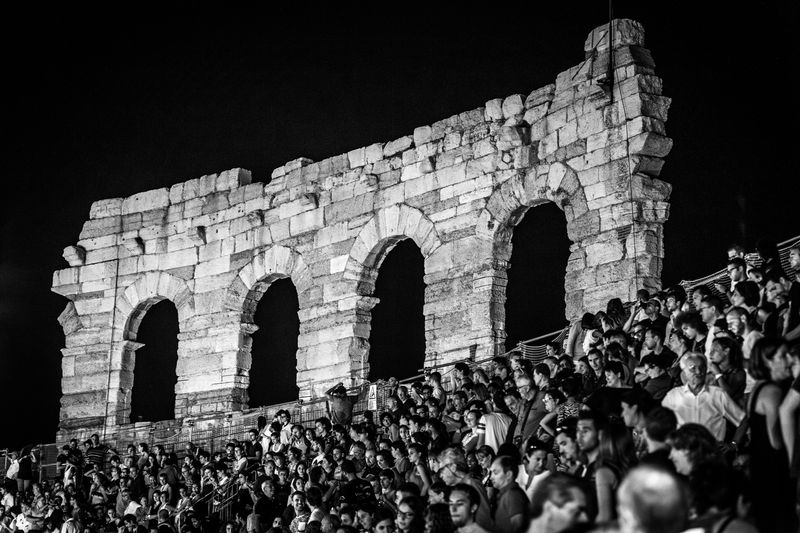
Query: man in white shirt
(700, 403)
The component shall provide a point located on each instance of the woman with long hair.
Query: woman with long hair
(410, 515)
(418, 474)
(437, 519)
(773, 506)
(725, 368)
(690, 445)
(569, 455)
(616, 455)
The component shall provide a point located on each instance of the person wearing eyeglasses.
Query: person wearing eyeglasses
(410, 515)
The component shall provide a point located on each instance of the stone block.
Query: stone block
(146, 201)
(494, 109)
(397, 146)
(422, 135)
(74, 255)
(357, 157)
(233, 178)
(307, 221)
(513, 105)
(111, 207)
(626, 32)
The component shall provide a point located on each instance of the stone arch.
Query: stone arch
(378, 236)
(556, 183)
(132, 304)
(376, 239)
(249, 286)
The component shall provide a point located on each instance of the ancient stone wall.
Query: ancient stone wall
(591, 142)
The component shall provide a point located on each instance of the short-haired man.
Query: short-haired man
(697, 402)
(559, 503)
(659, 422)
(712, 312)
(453, 470)
(511, 511)
(651, 500)
(737, 271)
(464, 501)
(658, 381)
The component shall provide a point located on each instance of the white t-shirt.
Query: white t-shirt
(495, 427)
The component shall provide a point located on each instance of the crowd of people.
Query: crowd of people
(677, 414)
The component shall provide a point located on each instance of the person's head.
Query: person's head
(698, 293)
(652, 308)
(676, 297)
(715, 487)
(567, 441)
(693, 370)
(769, 360)
(552, 399)
(710, 309)
(737, 319)
(726, 351)
(595, 359)
(560, 501)
(298, 500)
(535, 458)
(737, 269)
(653, 338)
(485, 455)
(651, 500)
(614, 373)
(503, 471)
(437, 517)
(588, 431)
(410, 514)
(365, 515)
(659, 423)
(463, 501)
(691, 445)
(655, 365)
(635, 404)
(541, 375)
(776, 290)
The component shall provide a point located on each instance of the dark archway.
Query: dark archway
(273, 372)
(397, 334)
(535, 291)
(154, 376)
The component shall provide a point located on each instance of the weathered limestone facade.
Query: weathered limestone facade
(457, 187)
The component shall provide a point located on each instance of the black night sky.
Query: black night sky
(103, 105)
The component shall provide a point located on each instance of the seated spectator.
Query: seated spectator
(657, 380)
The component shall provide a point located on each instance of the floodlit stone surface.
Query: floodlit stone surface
(213, 245)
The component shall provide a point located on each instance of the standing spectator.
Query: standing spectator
(773, 507)
(511, 503)
(789, 414)
(615, 456)
(699, 403)
(464, 502)
(725, 368)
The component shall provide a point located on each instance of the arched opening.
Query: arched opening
(273, 372)
(535, 290)
(397, 334)
(154, 376)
